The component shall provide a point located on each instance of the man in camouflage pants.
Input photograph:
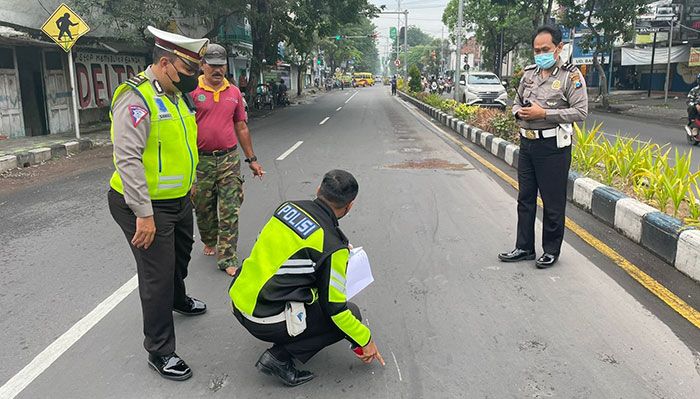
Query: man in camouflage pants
(218, 192)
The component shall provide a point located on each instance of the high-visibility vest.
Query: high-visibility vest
(170, 156)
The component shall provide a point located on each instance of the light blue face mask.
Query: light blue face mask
(545, 60)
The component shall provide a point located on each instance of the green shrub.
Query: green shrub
(448, 105)
(414, 83)
(466, 112)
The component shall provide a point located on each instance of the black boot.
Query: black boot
(285, 371)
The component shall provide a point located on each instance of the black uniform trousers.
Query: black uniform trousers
(320, 332)
(544, 167)
(162, 267)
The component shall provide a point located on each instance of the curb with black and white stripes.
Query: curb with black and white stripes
(42, 154)
(665, 236)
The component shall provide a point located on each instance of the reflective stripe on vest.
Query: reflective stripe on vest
(170, 155)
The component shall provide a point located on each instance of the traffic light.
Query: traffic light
(402, 32)
(338, 38)
(373, 36)
(319, 61)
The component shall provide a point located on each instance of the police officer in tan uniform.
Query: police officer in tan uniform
(550, 98)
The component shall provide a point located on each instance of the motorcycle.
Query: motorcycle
(441, 88)
(433, 88)
(693, 129)
(283, 99)
(263, 98)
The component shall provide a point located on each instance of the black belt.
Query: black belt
(217, 153)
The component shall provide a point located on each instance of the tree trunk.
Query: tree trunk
(301, 69)
(603, 81)
(260, 24)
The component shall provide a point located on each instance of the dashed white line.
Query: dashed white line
(339, 108)
(325, 120)
(58, 347)
(290, 150)
(397, 365)
(348, 100)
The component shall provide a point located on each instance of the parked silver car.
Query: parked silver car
(484, 89)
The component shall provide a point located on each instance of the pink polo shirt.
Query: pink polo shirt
(217, 110)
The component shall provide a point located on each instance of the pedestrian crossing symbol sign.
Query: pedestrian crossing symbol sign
(64, 26)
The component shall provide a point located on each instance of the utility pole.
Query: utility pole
(398, 31)
(668, 63)
(442, 49)
(405, 45)
(458, 70)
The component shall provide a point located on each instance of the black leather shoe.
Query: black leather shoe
(196, 307)
(170, 366)
(285, 371)
(516, 255)
(546, 260)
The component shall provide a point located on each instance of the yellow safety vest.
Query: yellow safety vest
(170, 156)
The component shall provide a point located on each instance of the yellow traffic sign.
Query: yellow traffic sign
(65, 27)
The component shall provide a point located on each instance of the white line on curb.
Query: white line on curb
(290, 150)
(58, 347)
(348, 100)
(325, 120)
(339, 108)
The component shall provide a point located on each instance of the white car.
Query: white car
(484, 89)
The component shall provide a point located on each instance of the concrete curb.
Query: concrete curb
(39, 155)
(665, 236)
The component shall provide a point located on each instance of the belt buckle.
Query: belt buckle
(530, 134)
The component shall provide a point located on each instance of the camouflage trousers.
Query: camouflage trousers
(217, 199)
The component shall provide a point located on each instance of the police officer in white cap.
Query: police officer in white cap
(155, 156)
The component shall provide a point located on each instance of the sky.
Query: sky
(426, 14)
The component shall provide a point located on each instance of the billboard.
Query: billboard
(97, 76)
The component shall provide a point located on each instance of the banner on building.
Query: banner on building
(694, 59)
(642, 56)
(98, 75)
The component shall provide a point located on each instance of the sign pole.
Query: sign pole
(668, 64)
(74, 94)
(651, 72)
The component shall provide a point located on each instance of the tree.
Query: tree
(414, 84)
(416, 37)
(128, 19)
(489, 18)
(607, 21)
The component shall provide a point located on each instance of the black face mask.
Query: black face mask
(187, 83)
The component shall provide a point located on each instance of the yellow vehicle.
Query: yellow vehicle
(363, 79)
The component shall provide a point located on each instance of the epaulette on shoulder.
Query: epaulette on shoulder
(530, 67)
(569, 67)
(136, 80)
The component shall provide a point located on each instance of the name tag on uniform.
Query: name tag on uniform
(296, 220)
(162, 109)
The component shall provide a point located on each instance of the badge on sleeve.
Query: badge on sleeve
(576, 80)
(138, 113)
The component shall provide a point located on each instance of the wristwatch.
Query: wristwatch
(251, 159)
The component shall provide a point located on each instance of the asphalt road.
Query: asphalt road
(451, 321)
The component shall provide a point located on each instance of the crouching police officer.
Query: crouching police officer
(291, 290)
(551, 96)
(155, 156)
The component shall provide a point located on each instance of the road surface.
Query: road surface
(451, 321)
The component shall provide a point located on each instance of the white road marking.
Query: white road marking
(339, 108)
(325, 120)
(348, 100)
(397, 365)
(290, 150)
(58, 347)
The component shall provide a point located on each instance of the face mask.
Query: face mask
(187, 83)
(545, 61)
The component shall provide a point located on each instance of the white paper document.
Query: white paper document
(359, 273)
